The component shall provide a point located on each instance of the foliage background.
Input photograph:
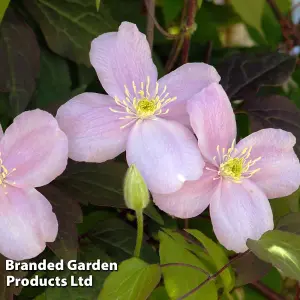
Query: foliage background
(44, 46)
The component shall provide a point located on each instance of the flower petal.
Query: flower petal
(240, 212)
(212, 119)
(94, 132)
(191, 200)
(185, 82)
(36, 147)
(279, 174)
(166, 154)
(26, 223)
(122, 57)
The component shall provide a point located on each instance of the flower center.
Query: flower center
(232, 168)
(145, 108)
(142, 105)
(4, 173)
(235, 168)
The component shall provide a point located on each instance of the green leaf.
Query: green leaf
(69, 27)
(118, 239)
(250, 12)
(281, 249)
(98, 4)
(20, 61)
(274, 112)
(159, 293)
(218, 256)
(290, 223)
(171, 9)
(134, 280)
(199, 3)
(242, 73)
(68, 213)
(3, 7)
(54, 85)
(180, 280)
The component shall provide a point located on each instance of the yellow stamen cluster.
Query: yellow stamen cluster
(142, 105)
(238, 167)
(4, 173)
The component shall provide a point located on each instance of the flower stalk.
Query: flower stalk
(140, 232)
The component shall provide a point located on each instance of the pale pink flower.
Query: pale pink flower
(33, 152)
(140, 114)
(237, 179)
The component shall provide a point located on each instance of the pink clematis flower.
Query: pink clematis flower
(141, 115)
(33, 152)
(237, 179)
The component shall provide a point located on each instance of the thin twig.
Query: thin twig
(211, 277)
(208, 52)
(276, 10)
(177, 44)
(176, 48)
(159, 28)
(270, 294)
(192, 8)
(185, 265)
(150, 22)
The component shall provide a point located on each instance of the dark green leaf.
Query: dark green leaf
(54, 85)
(250, 268)
(171, 9)
(88, 253)
(281, 249)
(118, 239)
(134, 280)
(69, 27)
(290, 223)
(68, 213)
(5, 291)
(180, 280)
(20, 61)
(242, 73)
(98, 184)
(274, 112)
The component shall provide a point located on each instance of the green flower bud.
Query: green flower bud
(136, 193)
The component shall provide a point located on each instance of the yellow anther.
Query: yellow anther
(4, 173)
(142, 105)
(238, 167)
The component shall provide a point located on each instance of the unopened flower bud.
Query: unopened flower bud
(136, 193)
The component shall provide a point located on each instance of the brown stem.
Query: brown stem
(211, 277)
(270, 294)
(150, 22)
(186, 223)
(176, 48)
(159, 28)
(297, 296)
(185, 265)
(191, 13)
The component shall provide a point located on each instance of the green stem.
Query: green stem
(140, 230)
